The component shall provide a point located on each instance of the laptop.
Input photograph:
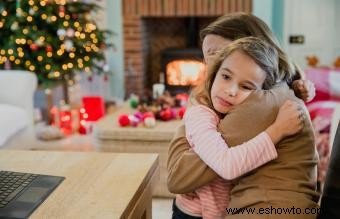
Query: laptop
(21, 193)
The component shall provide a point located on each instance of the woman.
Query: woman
(186, 171)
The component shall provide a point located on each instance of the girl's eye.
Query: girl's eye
(225, 76)
(248, 88)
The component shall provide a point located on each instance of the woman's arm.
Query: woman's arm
(304, 89)
(186, 171)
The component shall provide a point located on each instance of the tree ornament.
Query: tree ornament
(31, 11)
(133, 103)
(70, 32)
(39, 42)
(124, 120)
(15, 25)
(166, 114)
(181, 112)
(150, 122)
(34, 47)
(134, 121)
(49, 48)
(61, 9)
(18, 8)
(61, 32)
(139, 115)
(68, 45)
(148, 115)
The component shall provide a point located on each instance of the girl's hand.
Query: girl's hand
(289, 121)
(304, 89)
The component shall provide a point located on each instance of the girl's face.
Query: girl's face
(236, 78)
(211, 44)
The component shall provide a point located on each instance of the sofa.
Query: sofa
(16, 106)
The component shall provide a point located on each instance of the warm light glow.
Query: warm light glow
(40, 58)
(32, 68)
(44, 16)
(42, 3)
(184, 72)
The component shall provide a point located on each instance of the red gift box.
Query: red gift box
(94, 107)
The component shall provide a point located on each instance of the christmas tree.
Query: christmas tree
(52, 38)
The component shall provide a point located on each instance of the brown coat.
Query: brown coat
(288, 181)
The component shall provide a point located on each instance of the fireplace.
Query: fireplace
(151, 27)
(182, 68)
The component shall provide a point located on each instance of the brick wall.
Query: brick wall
(135, 48)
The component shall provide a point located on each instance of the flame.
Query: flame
(184, 72)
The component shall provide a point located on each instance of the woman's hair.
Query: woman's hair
(261, 52)
(238, 25)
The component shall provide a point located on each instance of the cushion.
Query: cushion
(12, 120)
(327, 83)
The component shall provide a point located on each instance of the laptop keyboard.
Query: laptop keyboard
(12, 183)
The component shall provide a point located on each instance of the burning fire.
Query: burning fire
(184, 72)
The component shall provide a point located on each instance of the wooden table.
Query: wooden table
(113, 138)
(97, 185)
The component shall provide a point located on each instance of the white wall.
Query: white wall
(318, 21)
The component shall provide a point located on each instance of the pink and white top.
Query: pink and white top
(212, 199)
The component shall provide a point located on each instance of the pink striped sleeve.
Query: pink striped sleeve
(207, 142)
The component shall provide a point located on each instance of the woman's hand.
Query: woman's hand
(289, 121)
(304, 89)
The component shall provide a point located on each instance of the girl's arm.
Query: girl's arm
(229, 163)
(207, 142)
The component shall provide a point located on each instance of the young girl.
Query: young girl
(245, 65)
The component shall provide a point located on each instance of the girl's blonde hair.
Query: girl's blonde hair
(238, 25)
(263, 54)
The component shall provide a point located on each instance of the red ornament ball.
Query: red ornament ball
(166, 114)
(148, 115)
(34, 47)
(49, 48)
(124, 120)
(181, 112)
